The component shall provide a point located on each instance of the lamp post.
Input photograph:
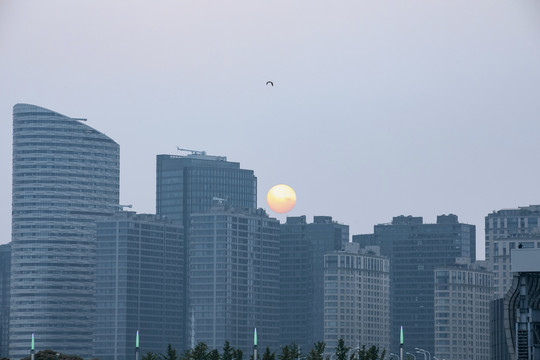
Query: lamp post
(422, 351)
(137, 346)
(255, 344)
(32, 348)
(414, 356)
(393, 355)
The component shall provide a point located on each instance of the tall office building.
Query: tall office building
(414, 250)
(139, 278)
(302, 249)
(5, 275)
(189, 184)
(65, 177)
(506, 230)
(463, 294)
(356, 298)
(234, 278)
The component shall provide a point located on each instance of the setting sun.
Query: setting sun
(281, 198)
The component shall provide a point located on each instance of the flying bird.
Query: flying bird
(270, 82)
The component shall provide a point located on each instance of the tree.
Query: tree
(213, 355)
(317, 352)
(228, 351)
(52, 355)
(290, 352)
(200, 352)
(238, 354)
(267, 355)
(342, 350)
(170, 355)
(150, 356)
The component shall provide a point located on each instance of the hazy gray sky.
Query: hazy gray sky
(380, 107)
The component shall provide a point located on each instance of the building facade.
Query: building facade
(5, 276)
(65, 177)
(302, 249)
(139, 278)
(463, 294)
(356, 298)
(191, 184)
(188, 184)
(414, 250)
(505, 230)
(234, 278)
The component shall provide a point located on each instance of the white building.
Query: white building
(356, 298)
(463, 293)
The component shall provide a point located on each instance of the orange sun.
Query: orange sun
(281, 198)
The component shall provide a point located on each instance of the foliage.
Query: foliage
(170, 355)
(199, 352)
(268, 355)
(290, 352)
(51, 355)
(151, 356)
(317, 352)
(370, 354)
(213, 355)
(228, 351)
(238, 354)
(342, 350)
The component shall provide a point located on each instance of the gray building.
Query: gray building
(5, 275)
(414, 250)
(302, 249)
(65, 177)
(356, 298)
(234, 278)
(189, 184)
(139, 278)
(522, 305)
(505, 230)
(463, 294)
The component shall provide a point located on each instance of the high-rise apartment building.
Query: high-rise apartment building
(139, 278)
(356, 298)
(463, 294)
(509, 229)
(414, 250)
(302, 249)
(65, 177)
(5, 275)
(234, 278)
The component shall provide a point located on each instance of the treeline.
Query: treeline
(202, 352)
(288, 352)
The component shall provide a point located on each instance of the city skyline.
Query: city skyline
(377, 109)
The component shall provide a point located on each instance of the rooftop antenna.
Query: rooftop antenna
(193, 152)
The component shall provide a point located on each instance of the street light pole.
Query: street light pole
(422, 351)
(414, 356)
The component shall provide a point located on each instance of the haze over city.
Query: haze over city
(379, 108)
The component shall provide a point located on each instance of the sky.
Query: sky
(379, 108)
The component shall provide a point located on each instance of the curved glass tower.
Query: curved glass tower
(65, 177)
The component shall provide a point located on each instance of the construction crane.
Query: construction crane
(193, 152)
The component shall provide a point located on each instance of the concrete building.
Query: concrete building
(139, 273)
(356, 298)
(5, 275)
(234, 278)
(505, 230)
(302, 249)
(463, 294)
(65, 177)
(415, 249)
